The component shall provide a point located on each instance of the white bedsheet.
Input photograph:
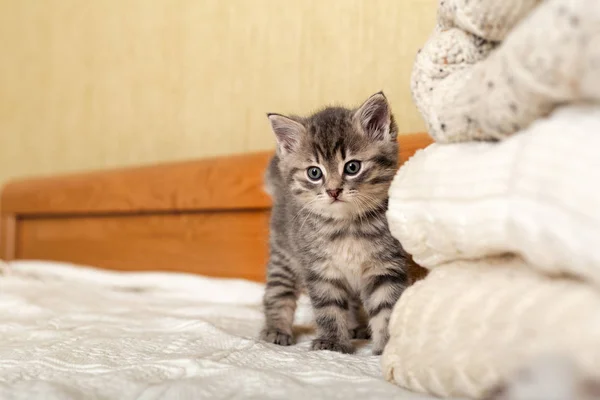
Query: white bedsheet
(79, 333)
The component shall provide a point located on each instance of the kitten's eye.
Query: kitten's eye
(352, 167)
(314, 173)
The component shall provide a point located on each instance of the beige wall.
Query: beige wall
(102, 83)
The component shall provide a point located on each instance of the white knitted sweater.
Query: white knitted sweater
(492, 67)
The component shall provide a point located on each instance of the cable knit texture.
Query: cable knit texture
(469, 325)
(472, 200)
(493, 67)
(504, 208)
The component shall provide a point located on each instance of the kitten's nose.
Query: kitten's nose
(334, 193)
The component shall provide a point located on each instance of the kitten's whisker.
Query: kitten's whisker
(310, 212)
(371, 202)
(365, 199)
(303, 208)
(362, 210)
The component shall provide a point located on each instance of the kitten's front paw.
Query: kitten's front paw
(332, 345)
(275, 336)
(379, 342)
(361, 332)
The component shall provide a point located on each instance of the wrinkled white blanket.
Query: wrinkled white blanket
(70, 332)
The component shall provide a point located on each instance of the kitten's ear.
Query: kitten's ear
(374, 118)
(287, 132)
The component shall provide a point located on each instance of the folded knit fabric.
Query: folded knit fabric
(535, 194)
(469, 325)
(493, 67)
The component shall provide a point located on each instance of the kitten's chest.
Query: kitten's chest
(348, 257)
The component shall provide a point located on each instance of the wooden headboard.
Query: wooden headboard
(208, 216)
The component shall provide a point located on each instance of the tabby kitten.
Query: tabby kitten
(329, 235)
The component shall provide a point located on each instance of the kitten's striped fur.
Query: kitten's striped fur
(340, 252)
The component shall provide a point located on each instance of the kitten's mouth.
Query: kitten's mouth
(337, 201)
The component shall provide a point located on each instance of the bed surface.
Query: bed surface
(72, 332)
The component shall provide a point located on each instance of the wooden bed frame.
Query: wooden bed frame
(207, 217)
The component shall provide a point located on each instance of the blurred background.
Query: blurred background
(90, 84)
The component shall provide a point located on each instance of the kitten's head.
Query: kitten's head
(339, 162)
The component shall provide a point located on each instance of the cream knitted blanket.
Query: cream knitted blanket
(457, 208)
(492, 67)
(469, 325)
(536, 194)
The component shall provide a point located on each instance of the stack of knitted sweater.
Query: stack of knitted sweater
(504, 210)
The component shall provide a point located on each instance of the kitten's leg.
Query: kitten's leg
(381, 291)
(357, 321)
(279, 301)
(330, 301)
